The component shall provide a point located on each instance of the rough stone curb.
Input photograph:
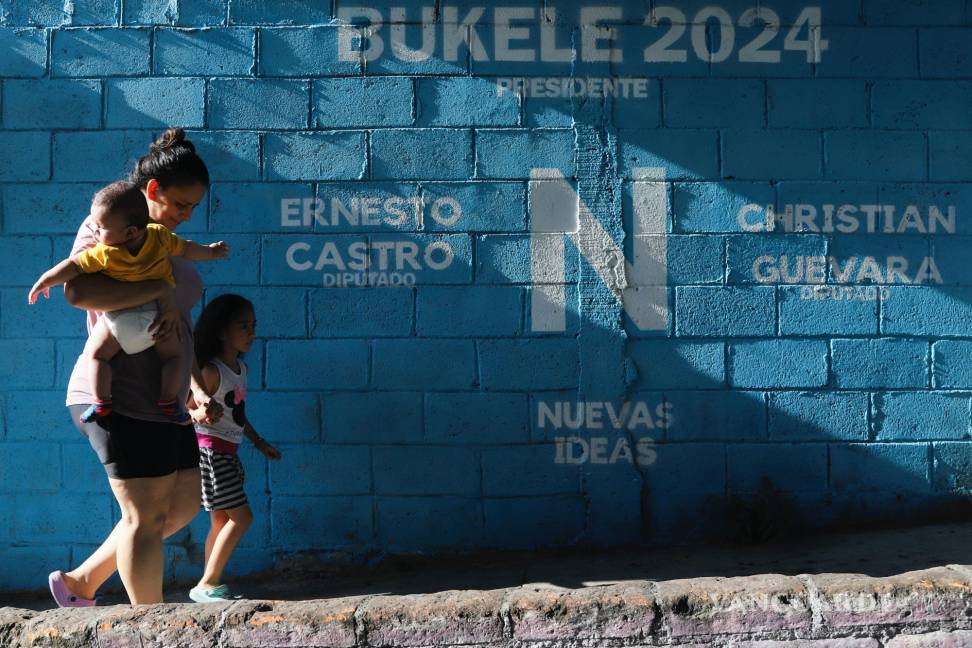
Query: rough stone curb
(929, 607)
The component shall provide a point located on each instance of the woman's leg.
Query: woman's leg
(85, 580)
(144, 502)
(224, 543)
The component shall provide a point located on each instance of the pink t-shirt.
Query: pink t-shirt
(136, 379)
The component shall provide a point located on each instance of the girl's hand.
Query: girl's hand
(214, 411)
(268, 450)
(198, 415)
(209, 410)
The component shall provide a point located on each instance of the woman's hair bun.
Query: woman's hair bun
(171, 160)
(172, 138)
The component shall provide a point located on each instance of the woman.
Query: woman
(151, 462)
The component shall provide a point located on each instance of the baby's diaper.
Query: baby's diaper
(130, 327)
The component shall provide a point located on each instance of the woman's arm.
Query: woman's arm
(99, 292)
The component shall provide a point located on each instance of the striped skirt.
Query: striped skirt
(222, 480)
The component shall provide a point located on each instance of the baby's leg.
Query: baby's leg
(169, 350)
(100, 349)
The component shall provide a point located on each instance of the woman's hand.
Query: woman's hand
(207, 414)
(198, 415)
(169, 320)
(209, 411)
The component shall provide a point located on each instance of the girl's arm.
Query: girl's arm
(258, 441)
(204, 383)
(196, 252)
(61, 273)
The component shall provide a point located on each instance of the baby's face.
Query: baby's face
(112, 228)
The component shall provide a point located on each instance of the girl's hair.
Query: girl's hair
(212, 322)
(171, 160)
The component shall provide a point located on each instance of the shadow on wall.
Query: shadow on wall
(766, 414)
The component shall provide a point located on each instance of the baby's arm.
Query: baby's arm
(178, 246)
(61, 273)
(196, 252)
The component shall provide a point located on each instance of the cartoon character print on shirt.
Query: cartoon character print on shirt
(236, 401)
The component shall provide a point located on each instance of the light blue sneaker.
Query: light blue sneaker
(218, 594)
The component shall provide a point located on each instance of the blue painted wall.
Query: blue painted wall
(425, 417)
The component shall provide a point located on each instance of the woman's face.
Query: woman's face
(171, 206)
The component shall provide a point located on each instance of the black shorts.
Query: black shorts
(131, 448)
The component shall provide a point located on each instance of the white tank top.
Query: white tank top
(231, 394)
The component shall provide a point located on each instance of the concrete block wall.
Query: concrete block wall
(441, 415)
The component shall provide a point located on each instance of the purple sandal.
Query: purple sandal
(63, 596)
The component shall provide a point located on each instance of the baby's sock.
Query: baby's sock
(99, 409)
(171, 409)
(167, 407)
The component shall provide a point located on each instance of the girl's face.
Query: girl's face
(170, 206)
(240, 332)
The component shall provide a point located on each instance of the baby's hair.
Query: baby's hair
(213, 320)
(124, 199)
(171, 160)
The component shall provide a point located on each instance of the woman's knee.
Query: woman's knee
(144, 503)
(179, 515)
(144, 524)
(185, 506)
(186, 496)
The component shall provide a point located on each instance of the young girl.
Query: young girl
(225, 330)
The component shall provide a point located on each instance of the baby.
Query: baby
(129, 248)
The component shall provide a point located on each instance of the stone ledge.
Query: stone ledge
(929, 607)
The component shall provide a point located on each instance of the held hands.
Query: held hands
(219, 249)
(207, 410)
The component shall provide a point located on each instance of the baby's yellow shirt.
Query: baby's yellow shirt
(151, 262)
